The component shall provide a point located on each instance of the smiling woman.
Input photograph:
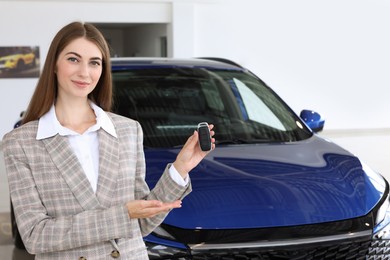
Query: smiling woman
(78, 70)
(76, 171)
(102, 94)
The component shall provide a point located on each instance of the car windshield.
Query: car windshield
(170, 102)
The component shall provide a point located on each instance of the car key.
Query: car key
(204, 136)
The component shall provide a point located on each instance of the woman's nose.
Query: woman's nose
(83, 69)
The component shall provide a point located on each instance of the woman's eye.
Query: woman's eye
(95, 63)
(72, 59)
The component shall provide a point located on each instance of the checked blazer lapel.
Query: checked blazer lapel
(108, 167)
(69, 166)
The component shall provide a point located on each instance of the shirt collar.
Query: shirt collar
(49, 125)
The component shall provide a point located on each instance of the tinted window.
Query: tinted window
(170, 102)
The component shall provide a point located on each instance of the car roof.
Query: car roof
(213, 63)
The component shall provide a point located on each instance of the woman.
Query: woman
(76, 173)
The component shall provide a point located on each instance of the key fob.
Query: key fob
(204, 136)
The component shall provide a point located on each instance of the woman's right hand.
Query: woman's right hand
(150, 208)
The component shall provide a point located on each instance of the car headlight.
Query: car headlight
(382, 221)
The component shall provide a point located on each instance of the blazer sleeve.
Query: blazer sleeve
(42, 233)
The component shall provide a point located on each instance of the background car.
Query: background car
(17, 58)
(272, 189)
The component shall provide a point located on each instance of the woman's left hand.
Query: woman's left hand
(191, 154)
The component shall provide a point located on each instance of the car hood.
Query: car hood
(272, 185)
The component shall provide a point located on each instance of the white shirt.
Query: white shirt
(86, 145)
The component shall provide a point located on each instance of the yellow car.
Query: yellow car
(17, 58)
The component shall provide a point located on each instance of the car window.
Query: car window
(255, 108)
(170, 102)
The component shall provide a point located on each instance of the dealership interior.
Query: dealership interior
(291, 49)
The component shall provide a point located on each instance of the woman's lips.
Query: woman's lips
(81, 84)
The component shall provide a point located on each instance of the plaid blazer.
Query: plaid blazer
(58, 214)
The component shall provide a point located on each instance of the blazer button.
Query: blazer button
(115, 254)
(82, 258)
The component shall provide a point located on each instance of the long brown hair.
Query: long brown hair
(46, 90)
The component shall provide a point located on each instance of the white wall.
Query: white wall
(330, 56)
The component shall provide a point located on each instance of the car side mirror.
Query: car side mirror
(313, 120)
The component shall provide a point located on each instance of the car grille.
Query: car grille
(365, 249)
(348, 250)
(347, 240)
(345, 250)
(379, 250)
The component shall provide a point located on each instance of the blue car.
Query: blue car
(272, 189)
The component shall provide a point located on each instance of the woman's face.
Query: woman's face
(78, 69)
